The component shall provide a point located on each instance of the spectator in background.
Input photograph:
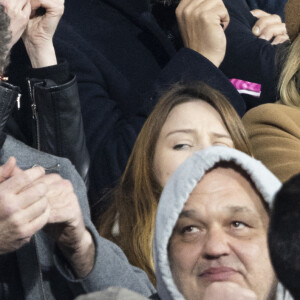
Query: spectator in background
(284, 235)
(274, 129)
(122, 56)
(188, 118)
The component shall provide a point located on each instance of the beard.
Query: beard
(166, 2)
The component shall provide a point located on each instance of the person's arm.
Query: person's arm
(53, 90)
(249, 57)
(87, 261)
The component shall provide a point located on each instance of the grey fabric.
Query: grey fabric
(112, 293)
(176, 193)
(111, 267)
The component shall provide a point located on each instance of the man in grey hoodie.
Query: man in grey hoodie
(211, 232)
(211, 229)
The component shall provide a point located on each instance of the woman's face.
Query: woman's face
(190, 127)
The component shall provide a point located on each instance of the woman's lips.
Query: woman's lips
(218, 274)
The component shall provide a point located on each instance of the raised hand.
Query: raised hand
(269, 27)
(202, 24)
(18, 12)
(38, 36)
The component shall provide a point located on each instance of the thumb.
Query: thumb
(7, 169)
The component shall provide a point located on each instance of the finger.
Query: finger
(25, 5)
(57, 192)
(36, 224)
(27, 9)
(20, 181)
(258, 13)
(264, 22)
(280, 39)
(272, 31)
(31, 195)
(64, 211)
(49, 179)
(30, 212)
(6, 170)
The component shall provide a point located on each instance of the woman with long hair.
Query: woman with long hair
(188, 117)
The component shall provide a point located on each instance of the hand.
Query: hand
(269, 26)
(66, 224)
(227, 291)
(24, 208)
(38, 36)
(18, 12)
(200, 27)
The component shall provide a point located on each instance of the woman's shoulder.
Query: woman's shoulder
(272, 113)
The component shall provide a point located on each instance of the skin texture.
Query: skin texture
(40, 30)
(37, 31)
(200, 127)
(200, 27)
(24, 208)
(221, 237)
(199, 23)
(269, 27)
(31, 200)
(19, 13)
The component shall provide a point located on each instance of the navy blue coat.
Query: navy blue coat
(270, 6)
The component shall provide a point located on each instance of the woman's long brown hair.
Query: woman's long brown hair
(135, 199)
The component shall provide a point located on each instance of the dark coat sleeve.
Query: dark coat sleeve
(248, 57)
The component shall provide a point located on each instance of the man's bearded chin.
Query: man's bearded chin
(166, 2)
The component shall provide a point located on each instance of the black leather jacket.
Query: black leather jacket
(57, 119)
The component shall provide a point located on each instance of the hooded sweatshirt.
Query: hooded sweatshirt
(176, 193)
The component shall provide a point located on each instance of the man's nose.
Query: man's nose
(216, 244)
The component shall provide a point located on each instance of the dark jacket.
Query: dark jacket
(122, 58)
(270, 6)
(52, 121)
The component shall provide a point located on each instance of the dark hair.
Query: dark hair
(284, 235)
(5, 38)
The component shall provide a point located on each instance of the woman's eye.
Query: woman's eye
(181, 146)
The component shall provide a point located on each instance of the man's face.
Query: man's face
(221, 235)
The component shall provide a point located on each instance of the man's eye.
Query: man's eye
(181, 146)
(238, 224)
(190, 229)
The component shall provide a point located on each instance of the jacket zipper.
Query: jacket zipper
(35, 114)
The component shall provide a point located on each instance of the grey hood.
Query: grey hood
(176, 193)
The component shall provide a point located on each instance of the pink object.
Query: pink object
(247, 87)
